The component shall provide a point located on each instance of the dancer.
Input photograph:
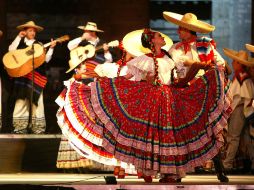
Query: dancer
(119, 69)
(136, 136)
(242, 89)
(200, 53)
(68, 158)
(142, 126)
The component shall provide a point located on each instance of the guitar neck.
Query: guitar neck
(46, 45)
(98, 47)
(61, 39)
(110, 44)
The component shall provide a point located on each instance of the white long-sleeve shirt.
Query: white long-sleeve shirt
(179, 56)
(75, 42)
(243, 94)
(16, 41)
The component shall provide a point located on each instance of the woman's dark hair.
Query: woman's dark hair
(146, 38)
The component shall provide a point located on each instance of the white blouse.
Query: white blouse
(110, 70)
(140, 66)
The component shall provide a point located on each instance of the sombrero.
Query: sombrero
(239, 56)
(91, 26)
(30, 24)
(80, 54)
(189, 21)
(249, 47)
(132, 43)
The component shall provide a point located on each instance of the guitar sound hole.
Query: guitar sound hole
(86, 51)
(30, 52)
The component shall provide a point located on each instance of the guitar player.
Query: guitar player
(23, 85)
(90, 35)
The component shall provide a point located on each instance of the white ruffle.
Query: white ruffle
(107, 70)
(110, 70)
(140, 66)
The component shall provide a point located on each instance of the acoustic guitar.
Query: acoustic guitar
(19, 62)
(89, 50)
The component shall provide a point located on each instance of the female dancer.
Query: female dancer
(151, 123)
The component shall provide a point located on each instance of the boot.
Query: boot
(219, 168)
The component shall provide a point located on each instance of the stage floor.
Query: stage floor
(97, 182)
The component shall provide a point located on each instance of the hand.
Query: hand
(22, 33)
(85, 36)
(105, 47)
(77, 76)
(52, 43)
(206, 65)
(80, 76)
(149, 77)
(189, 62)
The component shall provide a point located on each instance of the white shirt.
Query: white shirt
(140, 66)
(16, 41)
(75, 42)
(179, 56)
(243, 94)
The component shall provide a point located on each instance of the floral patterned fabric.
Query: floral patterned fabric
(154, 128)
(162, 128)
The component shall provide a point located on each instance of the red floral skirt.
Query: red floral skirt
(162, 128)
(78, 123)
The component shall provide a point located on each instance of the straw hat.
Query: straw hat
(80, 54)
(91, 26)
(189, 21)
(249, 47)
(241, 57)
(133, 45)
(30, 24)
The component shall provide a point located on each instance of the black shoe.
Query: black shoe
(179, 180)
(222, 177)
(219, 168)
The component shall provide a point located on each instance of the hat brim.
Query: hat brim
(84, 28)
(23, 26)
(90, 64)
(73, 65)
(133, 45)
(198, 26)
(249, 47)
(234, 55)
(80, 54)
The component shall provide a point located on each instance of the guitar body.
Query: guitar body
(82, 52)
(19, 62)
